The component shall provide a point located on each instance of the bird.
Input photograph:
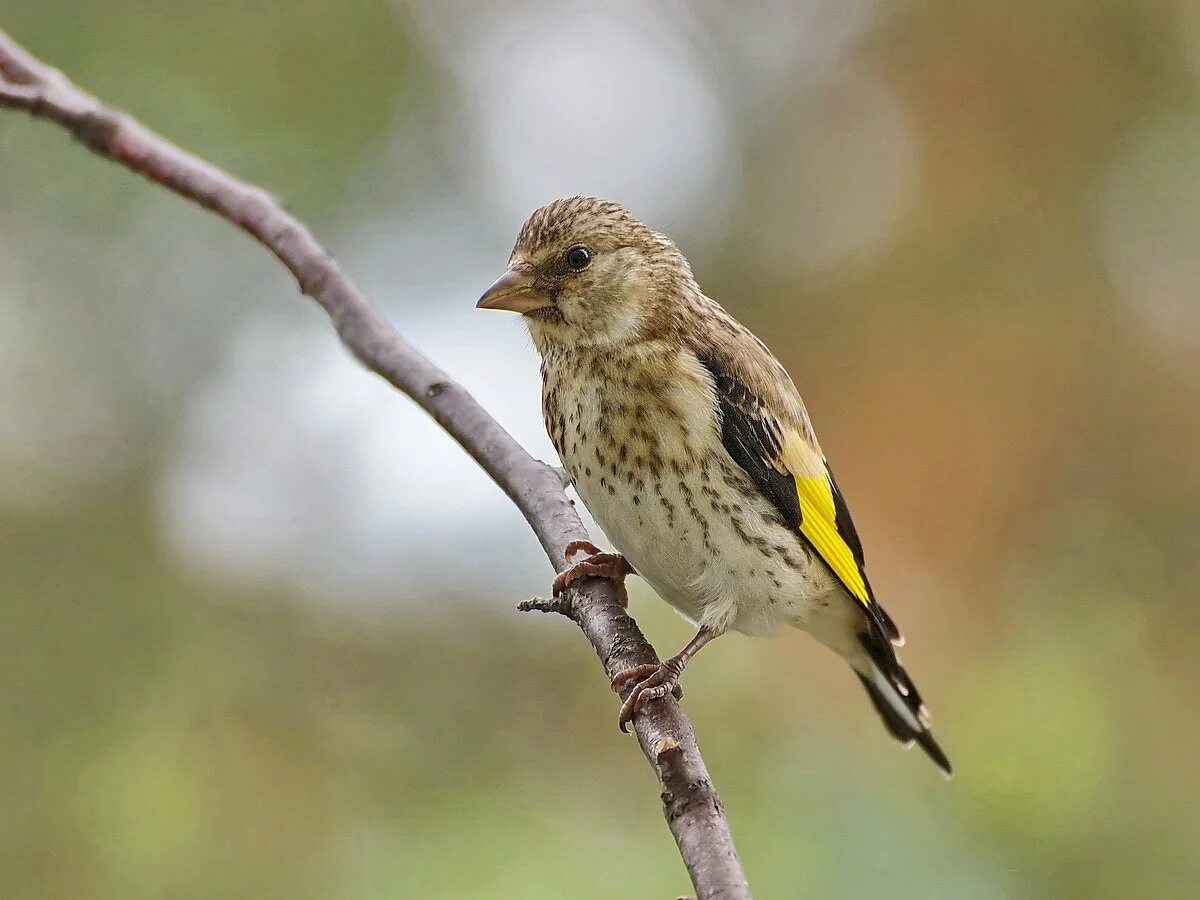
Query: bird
(689, 444)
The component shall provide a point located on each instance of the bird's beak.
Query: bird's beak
(514, 291)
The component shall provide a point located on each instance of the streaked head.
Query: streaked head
(586, 273)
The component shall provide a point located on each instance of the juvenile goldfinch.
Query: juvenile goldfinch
(691, 447)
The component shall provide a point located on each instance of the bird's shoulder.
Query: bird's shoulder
(746, 374)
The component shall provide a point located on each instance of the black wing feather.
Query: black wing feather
(753, 440)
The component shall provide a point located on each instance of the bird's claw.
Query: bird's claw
(653, 683)
(638, 673)
(612, 566)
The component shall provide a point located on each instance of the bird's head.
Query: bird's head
(586, 273)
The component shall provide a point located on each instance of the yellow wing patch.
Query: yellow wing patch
(818, 520)
(818, 525)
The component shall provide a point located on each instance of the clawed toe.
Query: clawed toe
(638, 673)
(612, 566)
(653, 683)
(581, 547)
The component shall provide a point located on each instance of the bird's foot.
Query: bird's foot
(638, 674)
(612, 566)
(653, 683)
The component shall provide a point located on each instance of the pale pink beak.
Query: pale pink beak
(515, 292)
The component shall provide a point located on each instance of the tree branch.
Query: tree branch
(690, 802)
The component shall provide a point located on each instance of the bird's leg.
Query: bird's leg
(612, 566)
(655, 682)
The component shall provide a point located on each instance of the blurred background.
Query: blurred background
(243, 651)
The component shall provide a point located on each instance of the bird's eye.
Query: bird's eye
(578, 257)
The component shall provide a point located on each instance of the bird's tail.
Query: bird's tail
(895, 697)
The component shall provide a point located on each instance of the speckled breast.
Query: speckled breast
(641, 441)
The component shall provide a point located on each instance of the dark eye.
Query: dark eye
(578, 257)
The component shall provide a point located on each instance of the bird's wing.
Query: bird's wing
(766, 431)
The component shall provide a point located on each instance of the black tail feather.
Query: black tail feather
(904, 732)
(907, 728)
